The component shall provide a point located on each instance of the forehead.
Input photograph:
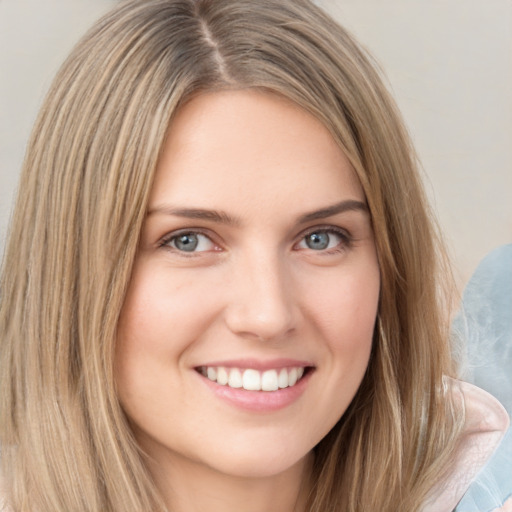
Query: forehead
(251, 147)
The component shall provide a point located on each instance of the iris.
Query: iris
(318, 241)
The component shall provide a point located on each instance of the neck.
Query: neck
(190, 487)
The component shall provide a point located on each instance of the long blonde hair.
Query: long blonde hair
(66, 445)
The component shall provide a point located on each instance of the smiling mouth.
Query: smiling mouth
(254, 380)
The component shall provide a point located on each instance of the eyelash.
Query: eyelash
(167, 239)
(346, 240)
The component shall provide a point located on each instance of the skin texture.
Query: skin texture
(252, 289)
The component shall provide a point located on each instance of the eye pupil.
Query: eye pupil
(187, 242)
(317, 241)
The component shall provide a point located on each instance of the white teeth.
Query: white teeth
(283, 378)
(222, 376)
(235, 378)
(211, 373)
(269, 381)
(253, 380)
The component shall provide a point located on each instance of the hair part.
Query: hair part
(66, 444)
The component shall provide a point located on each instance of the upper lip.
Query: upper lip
(258, 364)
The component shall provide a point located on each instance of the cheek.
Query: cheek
(161, 312)
(159, 321)
(343, 310)
(345, 307)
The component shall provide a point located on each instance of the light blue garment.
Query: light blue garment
(484, 324)
(493, 485)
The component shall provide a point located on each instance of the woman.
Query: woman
(221, 287)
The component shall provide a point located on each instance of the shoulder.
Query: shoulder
(486, 423)
(507, 507)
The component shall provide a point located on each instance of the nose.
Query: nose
(262, 304)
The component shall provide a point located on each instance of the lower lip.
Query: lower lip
(259, 401)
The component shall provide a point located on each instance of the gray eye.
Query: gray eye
(318, 241)
(191, 242)
(187, 242)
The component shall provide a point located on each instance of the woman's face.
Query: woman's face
(248, 323)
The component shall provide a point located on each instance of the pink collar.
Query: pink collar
(485, 426)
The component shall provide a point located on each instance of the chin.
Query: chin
(259, 465)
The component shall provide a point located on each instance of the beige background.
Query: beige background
(448, 62)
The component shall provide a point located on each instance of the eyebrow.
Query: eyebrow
(222, 217)
(197, 213)
(329, 211)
